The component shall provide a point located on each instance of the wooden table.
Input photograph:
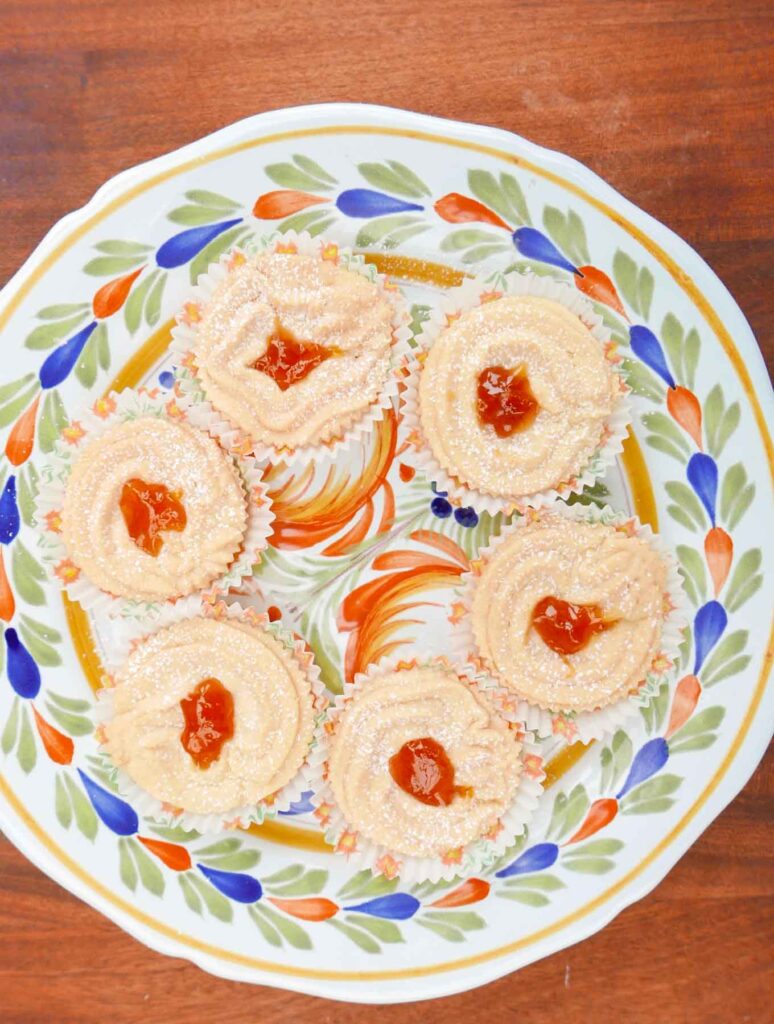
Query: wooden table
(669, 102)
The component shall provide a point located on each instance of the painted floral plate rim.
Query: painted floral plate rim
(480, 213)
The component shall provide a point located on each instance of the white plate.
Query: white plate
(614, 820)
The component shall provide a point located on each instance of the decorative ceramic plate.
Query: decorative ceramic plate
(365, 559)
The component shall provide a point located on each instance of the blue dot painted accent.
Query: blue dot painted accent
(440, 507)
(23, 672)
(467, 517)
(166, 379)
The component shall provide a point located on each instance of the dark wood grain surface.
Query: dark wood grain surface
(671, 102)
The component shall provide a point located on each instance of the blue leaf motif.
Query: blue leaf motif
(113, 812)
(9, 512)
(703, 477)
(648, 760)
(536, 858)
(302, 805)
(534, 245)
(708, 626)
(647, 347)
(23, 672)
(398, 906)
(365, 202)
(181, 248)
(233, 884)
(59, 364)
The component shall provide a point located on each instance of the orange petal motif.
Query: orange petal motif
(111, 296)
(283, 203)
(472, 891)
(177, 858)
(685, 700)
(303, 519)
(598, 286)
(459, 209)
(7, 601)
(684, 407)
(353, 536)
(600, 813)
(719, 552)
(58, 746)
(315, 909)
(18, 447)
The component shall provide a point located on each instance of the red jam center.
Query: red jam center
(566, 628)
(423, 770)
(505, 400)
(288, 360)
(208, 711)
(147, 510)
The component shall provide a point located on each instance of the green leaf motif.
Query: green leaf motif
(53, 420)
(541, 883)
(568, 812)
(463, 238)
(190, 895)
(365, 884)
(625, 276)
(314, 169)
(360, 938)
(445, 931)
(153, 305)
(217, 905)
(203, 197)
(126, 868)
(150, 873)
(692, 572)
(744, 581)
(11, 730)
(194, 216)
(482, 252)
(303, 220)
(385, 931)
(691, 352)
(11, 410)
(287, 874)
(728, 648)
(685, 498)
(706, 739)
(672, 338)
(661, 444)
(62, 805)
(175, 834)
(28, 492)
(378, 231)
(642, 382)
(223, 846)
(114, 247)
(136, 302)
(596, 848)
(110, 266)
(268, 931)
(645, 286)
(590, 865)
(622, 751)
(26, 573)
(504, 197)
(568, 233)
(26, 751)
(295, 176)
(86, 367)
(290, 931)
(464, 919)
(733, 668)
(43, 653)
(62, 310)
(656, 806)
(75, 725)
(310, 883)
(85, 818)
(68, 703)
(665, 427)
(394, 177)
(99, 340)
(663, 785)
(218, 246)
(529, 899)
(242, 861)
(47, 335)
(706, 721)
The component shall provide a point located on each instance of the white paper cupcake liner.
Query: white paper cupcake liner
(582, 726)
(471, 293)
(94, 422)
(239, 817)
(192, 395)
(467, 860)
